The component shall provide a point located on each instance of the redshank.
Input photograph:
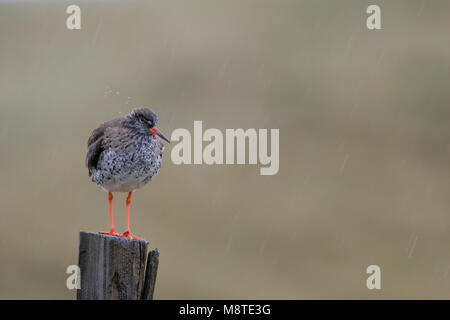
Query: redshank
(123, 155)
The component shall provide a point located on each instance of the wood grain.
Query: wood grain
(112, 268)
(150, 274)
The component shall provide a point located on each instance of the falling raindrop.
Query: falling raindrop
(413, 246)
(383, 53)
(94, 37)
(344, 163)
(107, 91)
(228, 247)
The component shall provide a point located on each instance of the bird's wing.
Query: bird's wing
(99, 132)
(93, 154)
(107, 135)
(96, 145)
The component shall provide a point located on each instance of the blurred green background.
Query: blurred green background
(364, 144)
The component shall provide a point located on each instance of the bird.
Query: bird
(123, 155)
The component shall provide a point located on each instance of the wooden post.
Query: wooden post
(113, 268)
(150, 274)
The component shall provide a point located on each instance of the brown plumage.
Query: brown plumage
(125, 153)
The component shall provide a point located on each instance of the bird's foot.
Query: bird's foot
(128, 235)
(112, 232)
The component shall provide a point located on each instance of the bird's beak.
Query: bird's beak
(158, 133)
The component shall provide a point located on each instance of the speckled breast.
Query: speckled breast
(129, 167)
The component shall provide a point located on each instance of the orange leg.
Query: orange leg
(127, 232)
(112, 231)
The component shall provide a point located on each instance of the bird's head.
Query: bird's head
(145, 119)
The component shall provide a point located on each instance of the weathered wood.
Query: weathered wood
(112, 268)
(150, 274)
